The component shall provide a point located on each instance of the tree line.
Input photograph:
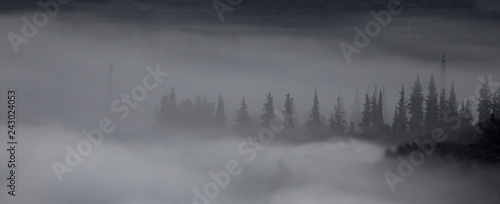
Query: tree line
(414, 114)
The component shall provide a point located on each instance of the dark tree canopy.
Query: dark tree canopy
(314, 123)
(336, 122)
(415, 107)
(366, 121)
(242, 117)
(220, 115)
(288, 113)
(431, 117)
(400, 123)
(484, 106)
(268, 111)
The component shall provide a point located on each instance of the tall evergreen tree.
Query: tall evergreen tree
(415, 107)
(337, 120)
(400, 123)
(220, 115)
(385, 110)
(288, 113)
(431, 106)
(314, 123)
(268, 111)
(366, 121)
(443, 105)
(242, 117)
(484, 106)
(452, 100)
(374, 108)
(379, 120)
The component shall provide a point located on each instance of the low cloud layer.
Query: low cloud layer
(167, 170)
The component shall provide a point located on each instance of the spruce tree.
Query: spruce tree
(484, 106)
(400, 123)
(431, 106)
(415, 107)
(314, 123)
(220, 115)
(339, 121)
(366, 121)
(443, 105)
(379, 120)
(268, 111)
(288, 113)
(242, 117)
(374, 109)
(385, 110)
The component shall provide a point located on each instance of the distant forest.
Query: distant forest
(416, 118)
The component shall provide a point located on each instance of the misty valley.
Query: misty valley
(251, 102)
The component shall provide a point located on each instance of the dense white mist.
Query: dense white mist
(166, 171)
